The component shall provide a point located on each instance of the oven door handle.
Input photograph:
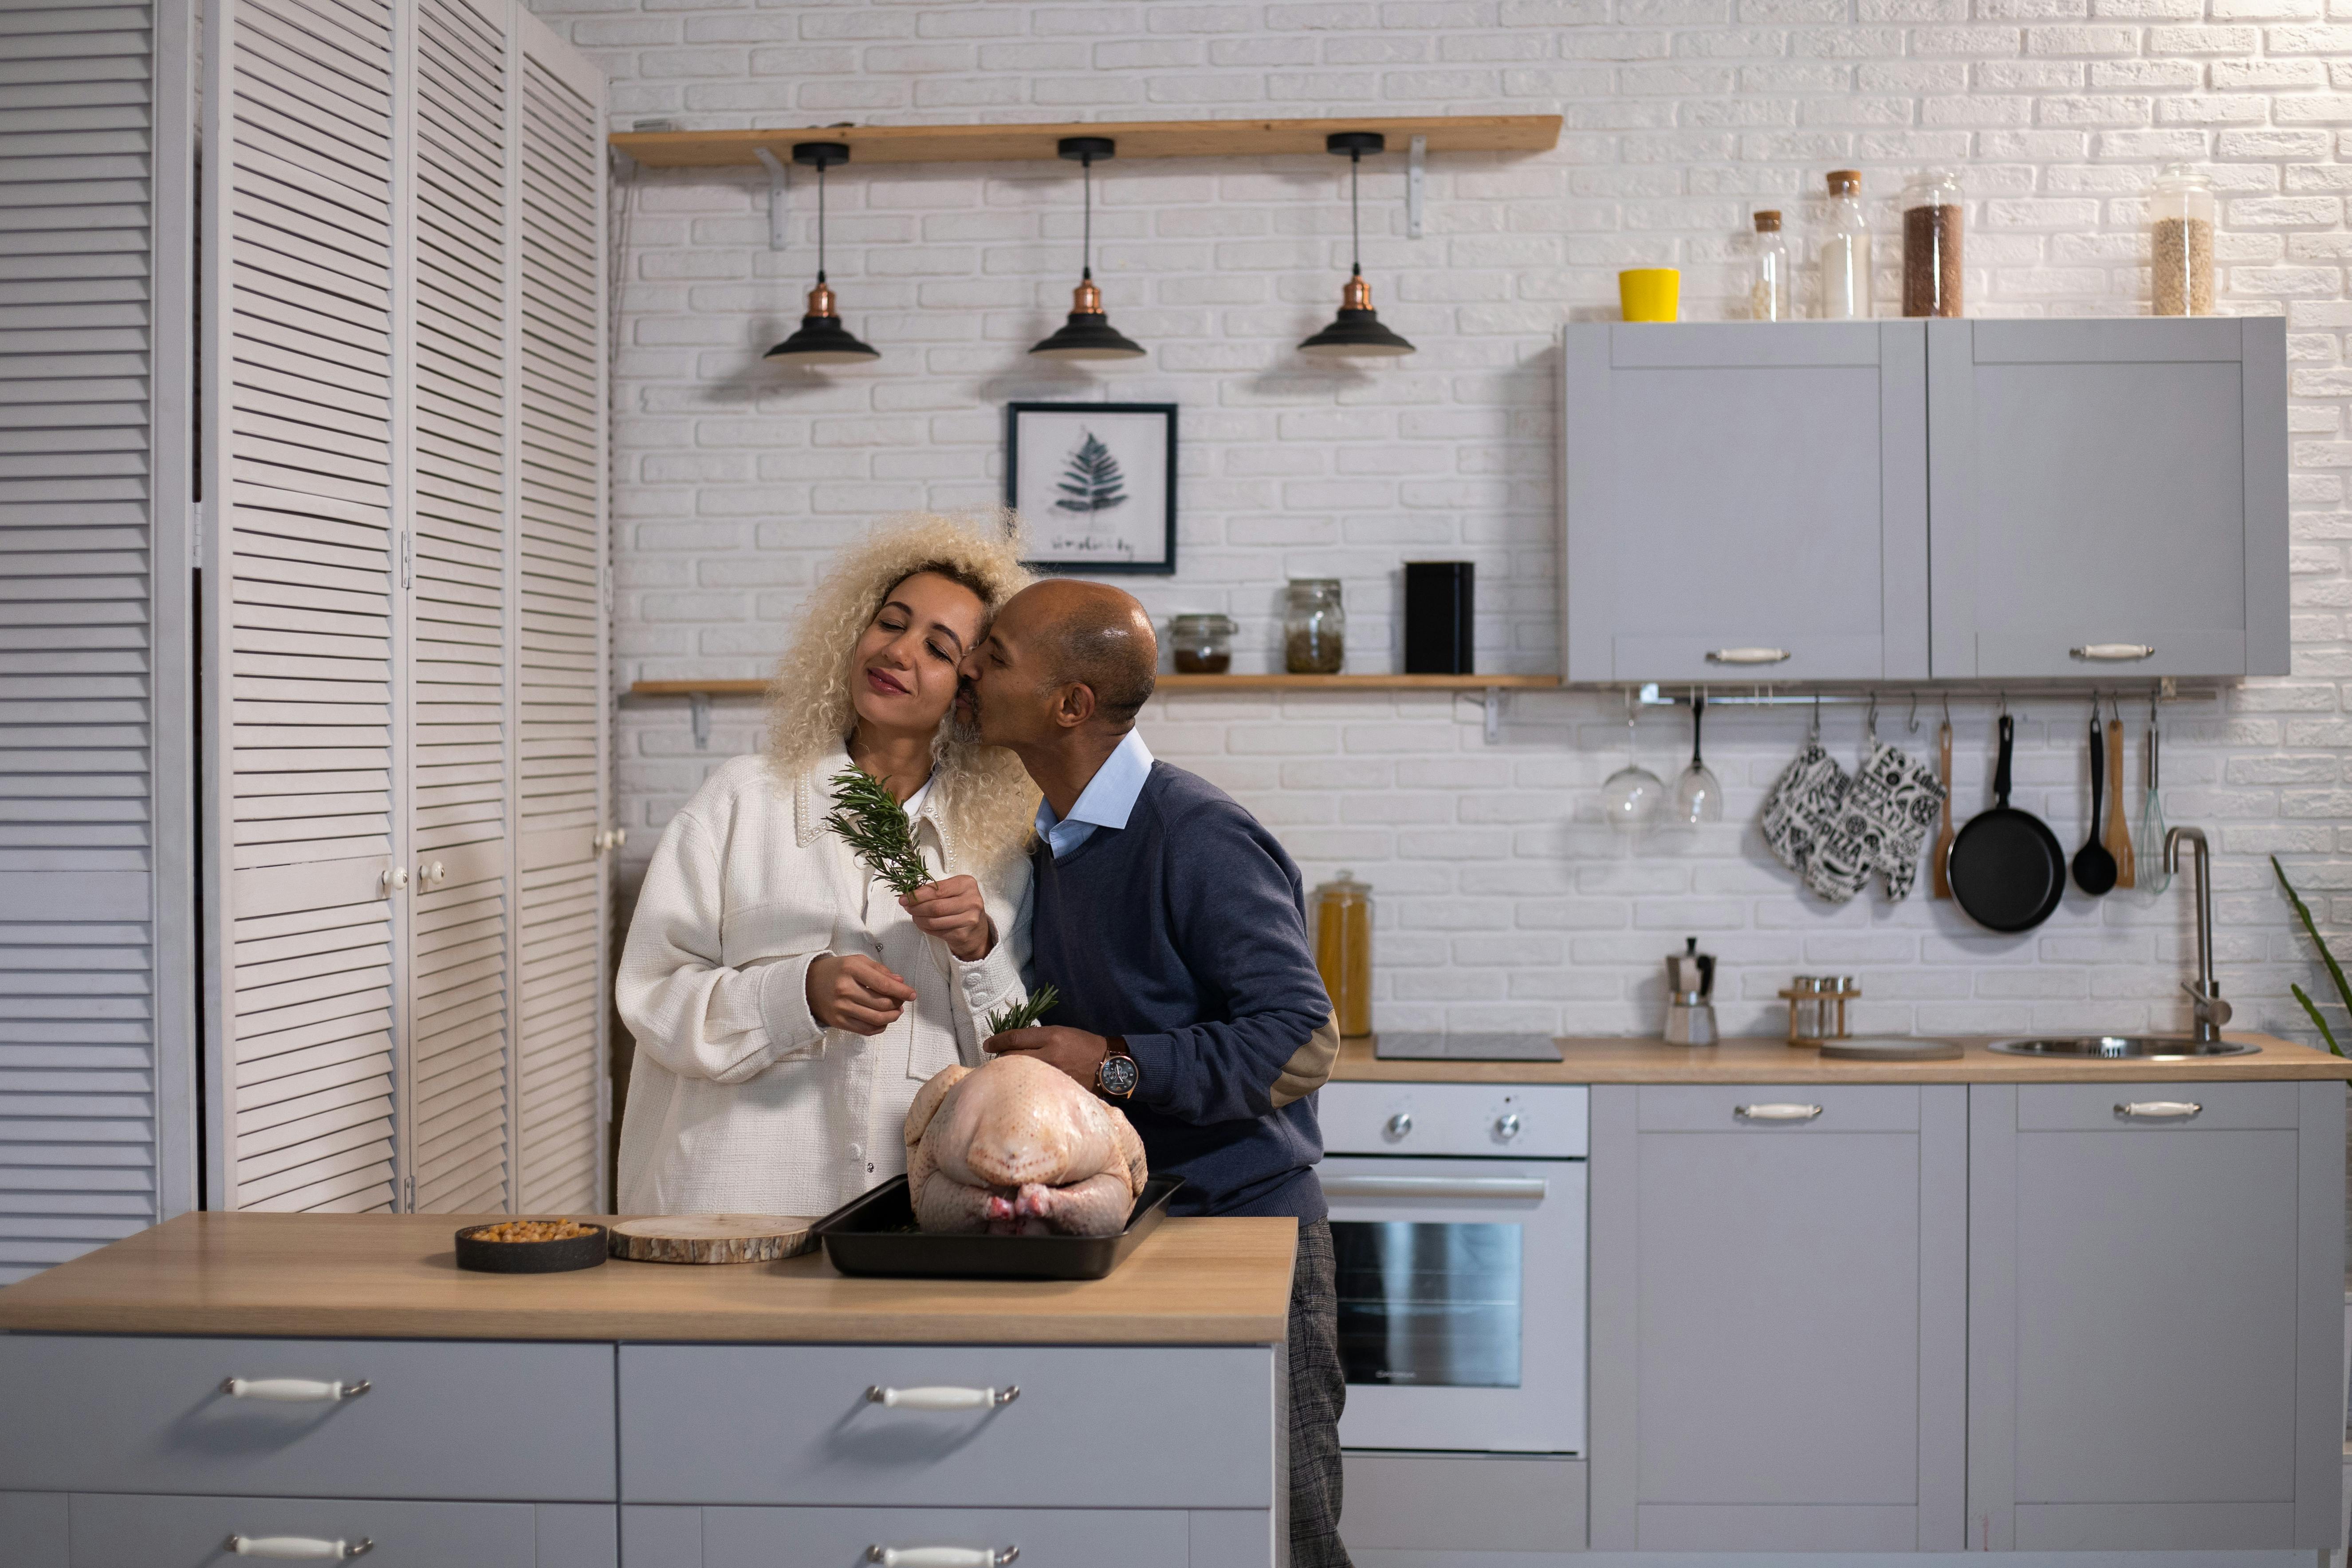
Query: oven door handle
(1473, 1187)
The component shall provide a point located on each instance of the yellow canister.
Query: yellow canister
(1649, 293)
(1343, 950)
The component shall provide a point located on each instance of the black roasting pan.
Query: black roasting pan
(875, 1234)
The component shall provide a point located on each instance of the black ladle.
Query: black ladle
(2094, 866)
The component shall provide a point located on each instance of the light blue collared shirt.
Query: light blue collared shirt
(1108, 800)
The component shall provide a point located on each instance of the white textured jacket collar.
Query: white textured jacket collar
(813, 802)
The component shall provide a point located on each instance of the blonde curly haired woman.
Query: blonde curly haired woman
(786, 1003)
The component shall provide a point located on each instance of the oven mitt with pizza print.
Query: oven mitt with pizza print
(1801, 805)
(1882, 824)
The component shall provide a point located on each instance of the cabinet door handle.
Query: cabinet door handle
(293, 1390)
(1776, 1112)
(2113, 652)
(1749, 656)
(1435, 1187)
(941, 1556)
(2158, 1110)
(297, 1548)
(941, 1399)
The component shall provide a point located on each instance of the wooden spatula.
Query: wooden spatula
(1943, 850)
(2119, 844)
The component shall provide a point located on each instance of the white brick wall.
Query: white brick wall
(1501, 898)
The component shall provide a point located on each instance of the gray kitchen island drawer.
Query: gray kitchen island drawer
(115, 1531)
(441, 1418)
(840, 1537)
(798, 1427)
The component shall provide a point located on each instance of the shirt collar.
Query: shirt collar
(1108, 799)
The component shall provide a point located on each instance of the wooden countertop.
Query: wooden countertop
(1760, 1060)
(1193, 1281)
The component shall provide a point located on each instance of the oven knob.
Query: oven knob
(1399, 1124)
(1507, 1126)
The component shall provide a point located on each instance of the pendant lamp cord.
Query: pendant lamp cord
(820, 223)
(1355, 226)
(1086, 255)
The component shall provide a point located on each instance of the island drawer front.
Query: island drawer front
(839, 1537)
(2092, 1107)
(441, 1418)
(1116, 1426)
(114, 1531)
(1779, 1108)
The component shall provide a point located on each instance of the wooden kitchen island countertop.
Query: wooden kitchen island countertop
(1191, 1282)
(1749, 1059)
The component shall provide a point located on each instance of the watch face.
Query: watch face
(1117, 1076)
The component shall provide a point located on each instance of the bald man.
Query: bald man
(1174, 927)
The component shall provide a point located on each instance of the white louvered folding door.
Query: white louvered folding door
(97, 1008)
(379, 393)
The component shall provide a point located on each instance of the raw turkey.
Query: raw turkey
(1016, 1148)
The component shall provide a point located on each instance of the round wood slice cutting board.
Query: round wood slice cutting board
(711, 1237)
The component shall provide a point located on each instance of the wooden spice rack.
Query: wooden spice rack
(1136, 138)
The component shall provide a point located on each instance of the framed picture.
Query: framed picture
(1095, 484)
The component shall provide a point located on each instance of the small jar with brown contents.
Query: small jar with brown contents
(2180, 244)
(1931, 245)
(1314, 627)
(1203, 644)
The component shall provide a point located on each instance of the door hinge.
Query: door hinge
(408, 1194)
(407, 559)
(200, 517)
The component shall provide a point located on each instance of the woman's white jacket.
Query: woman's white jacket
(739, 1100)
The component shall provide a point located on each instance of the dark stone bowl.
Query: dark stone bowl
(530, 1257)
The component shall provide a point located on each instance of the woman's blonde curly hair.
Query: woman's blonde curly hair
(987, 799)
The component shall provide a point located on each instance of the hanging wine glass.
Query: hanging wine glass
(1698, 795)
(1631, 796)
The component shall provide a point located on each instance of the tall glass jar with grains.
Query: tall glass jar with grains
(1769, 297)
(1343, 950)
(2180, 244)
(1845, 250)
(1931, 245)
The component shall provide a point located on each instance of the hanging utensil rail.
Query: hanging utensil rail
(1653, 694)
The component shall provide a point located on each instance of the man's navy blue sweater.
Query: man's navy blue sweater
(1185, 931)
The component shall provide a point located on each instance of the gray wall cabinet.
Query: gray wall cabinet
(2100, 488)
(1746, 501)
(1904, 500)
(2155, 1312)
(1778, 1330)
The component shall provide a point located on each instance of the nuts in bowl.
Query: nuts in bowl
(531, 1246)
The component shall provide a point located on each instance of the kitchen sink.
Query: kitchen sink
(2125, 1047)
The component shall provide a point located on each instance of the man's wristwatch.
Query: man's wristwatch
(1117, 1076)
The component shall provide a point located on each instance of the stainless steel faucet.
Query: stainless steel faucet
(2211, 1011)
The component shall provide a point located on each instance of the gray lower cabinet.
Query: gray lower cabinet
(675, 1537)
(1778, 1337)
(1745, 501)
(56, 1529)
(2154, 1356)
(1395, 1501)
(2108, 497)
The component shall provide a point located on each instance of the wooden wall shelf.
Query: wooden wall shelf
(1136, 138)
(1173, 683)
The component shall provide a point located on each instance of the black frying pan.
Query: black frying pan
(2006, 870)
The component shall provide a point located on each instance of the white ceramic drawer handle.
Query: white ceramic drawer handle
(297, 1548)
(2160, 1110)
(941, 1556)
(2113, 652)
(1434, 1186)
(941, 1399)
(293, 1390)
(1749, 656)
(1775, 1112)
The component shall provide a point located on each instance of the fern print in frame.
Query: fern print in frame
(1094, 485)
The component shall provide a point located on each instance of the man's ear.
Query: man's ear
(1074, 705)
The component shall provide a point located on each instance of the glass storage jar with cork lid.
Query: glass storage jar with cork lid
(1203, 644)
(2180, 243)
(1931, 245)
(1343, 950)
(1771, 297)
(1314, 627)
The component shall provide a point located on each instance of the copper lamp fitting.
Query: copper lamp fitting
(1356, 295)
(820, 300)
(1085, 300)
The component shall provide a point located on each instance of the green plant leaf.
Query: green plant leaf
(1005, 1020)
(870, 820)
(2311, 929)
(2317, 1022)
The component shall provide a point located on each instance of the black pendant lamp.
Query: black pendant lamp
(1356, 332)
(1087, 334)
(821, 340)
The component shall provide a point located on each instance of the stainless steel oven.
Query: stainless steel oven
(1458, 1215)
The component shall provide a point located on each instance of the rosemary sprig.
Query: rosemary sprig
(870, 820)
(1005, 1020)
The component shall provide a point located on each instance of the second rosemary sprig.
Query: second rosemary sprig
(1005, 1020)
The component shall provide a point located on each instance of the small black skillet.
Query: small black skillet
(2006, 867)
